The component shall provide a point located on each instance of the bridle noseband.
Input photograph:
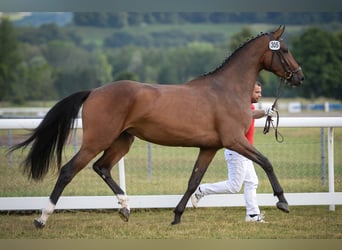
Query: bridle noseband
(288, 72)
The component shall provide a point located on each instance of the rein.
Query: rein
(269, 120)
(288, 73)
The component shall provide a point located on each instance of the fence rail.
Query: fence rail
(330, 198)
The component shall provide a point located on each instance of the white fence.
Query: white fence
(330, 198)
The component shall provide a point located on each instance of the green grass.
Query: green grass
(315, 222)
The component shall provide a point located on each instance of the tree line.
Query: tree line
(50, 62)
(123, 19)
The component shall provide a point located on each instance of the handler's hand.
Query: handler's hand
(270, 112)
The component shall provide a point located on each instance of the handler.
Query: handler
(240, 171)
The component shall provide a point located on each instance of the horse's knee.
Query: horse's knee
(101, 171)
(97, 169)
(266, 165)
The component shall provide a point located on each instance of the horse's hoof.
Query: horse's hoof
(38, 224)
(124, 214)
(175, 222)
(283, 206)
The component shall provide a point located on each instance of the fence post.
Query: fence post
(149, 159)
(323, 165)
(331, 164)
(122, 175)
(75, 140)
(9, 143)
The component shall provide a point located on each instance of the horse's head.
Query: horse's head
(279, 60)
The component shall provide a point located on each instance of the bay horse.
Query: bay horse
(209, 112)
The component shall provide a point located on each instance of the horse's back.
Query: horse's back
(176, 115)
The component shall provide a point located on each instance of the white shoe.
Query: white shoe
(258, 218)
(195, 197)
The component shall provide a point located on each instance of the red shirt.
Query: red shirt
(250, 132)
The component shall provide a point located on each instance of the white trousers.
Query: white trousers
(240, 171)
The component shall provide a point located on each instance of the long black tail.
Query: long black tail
(50, 136)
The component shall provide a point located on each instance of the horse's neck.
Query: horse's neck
(246, 62)
(240, 72)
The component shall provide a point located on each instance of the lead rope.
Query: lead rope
(269, 120)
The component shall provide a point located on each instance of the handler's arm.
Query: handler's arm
(262, 112)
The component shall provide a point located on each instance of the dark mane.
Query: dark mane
(234, 53)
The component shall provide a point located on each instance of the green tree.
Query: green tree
(320, 55)
(76, 68)
(120, 59)
(103, 69)
(10, 57)
(126, 75)
(167, 75)
(239, 38)
(40, 80)
(46, 33)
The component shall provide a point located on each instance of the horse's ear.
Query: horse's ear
(278, 32)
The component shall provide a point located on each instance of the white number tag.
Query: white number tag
(274, 45)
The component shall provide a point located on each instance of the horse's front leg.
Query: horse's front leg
(203, 160)
(251, 153)
(277, 189)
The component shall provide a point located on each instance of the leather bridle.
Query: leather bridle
(288, 72)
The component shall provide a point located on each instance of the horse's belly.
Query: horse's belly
(189, 137)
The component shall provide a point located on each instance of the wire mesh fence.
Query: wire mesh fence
(300, 163)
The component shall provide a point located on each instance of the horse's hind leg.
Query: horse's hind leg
(104, 165)
(203, 160)
(67, 173)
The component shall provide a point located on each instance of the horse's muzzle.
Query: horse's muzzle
(297, 77)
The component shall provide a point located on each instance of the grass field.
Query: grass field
(315, 222)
